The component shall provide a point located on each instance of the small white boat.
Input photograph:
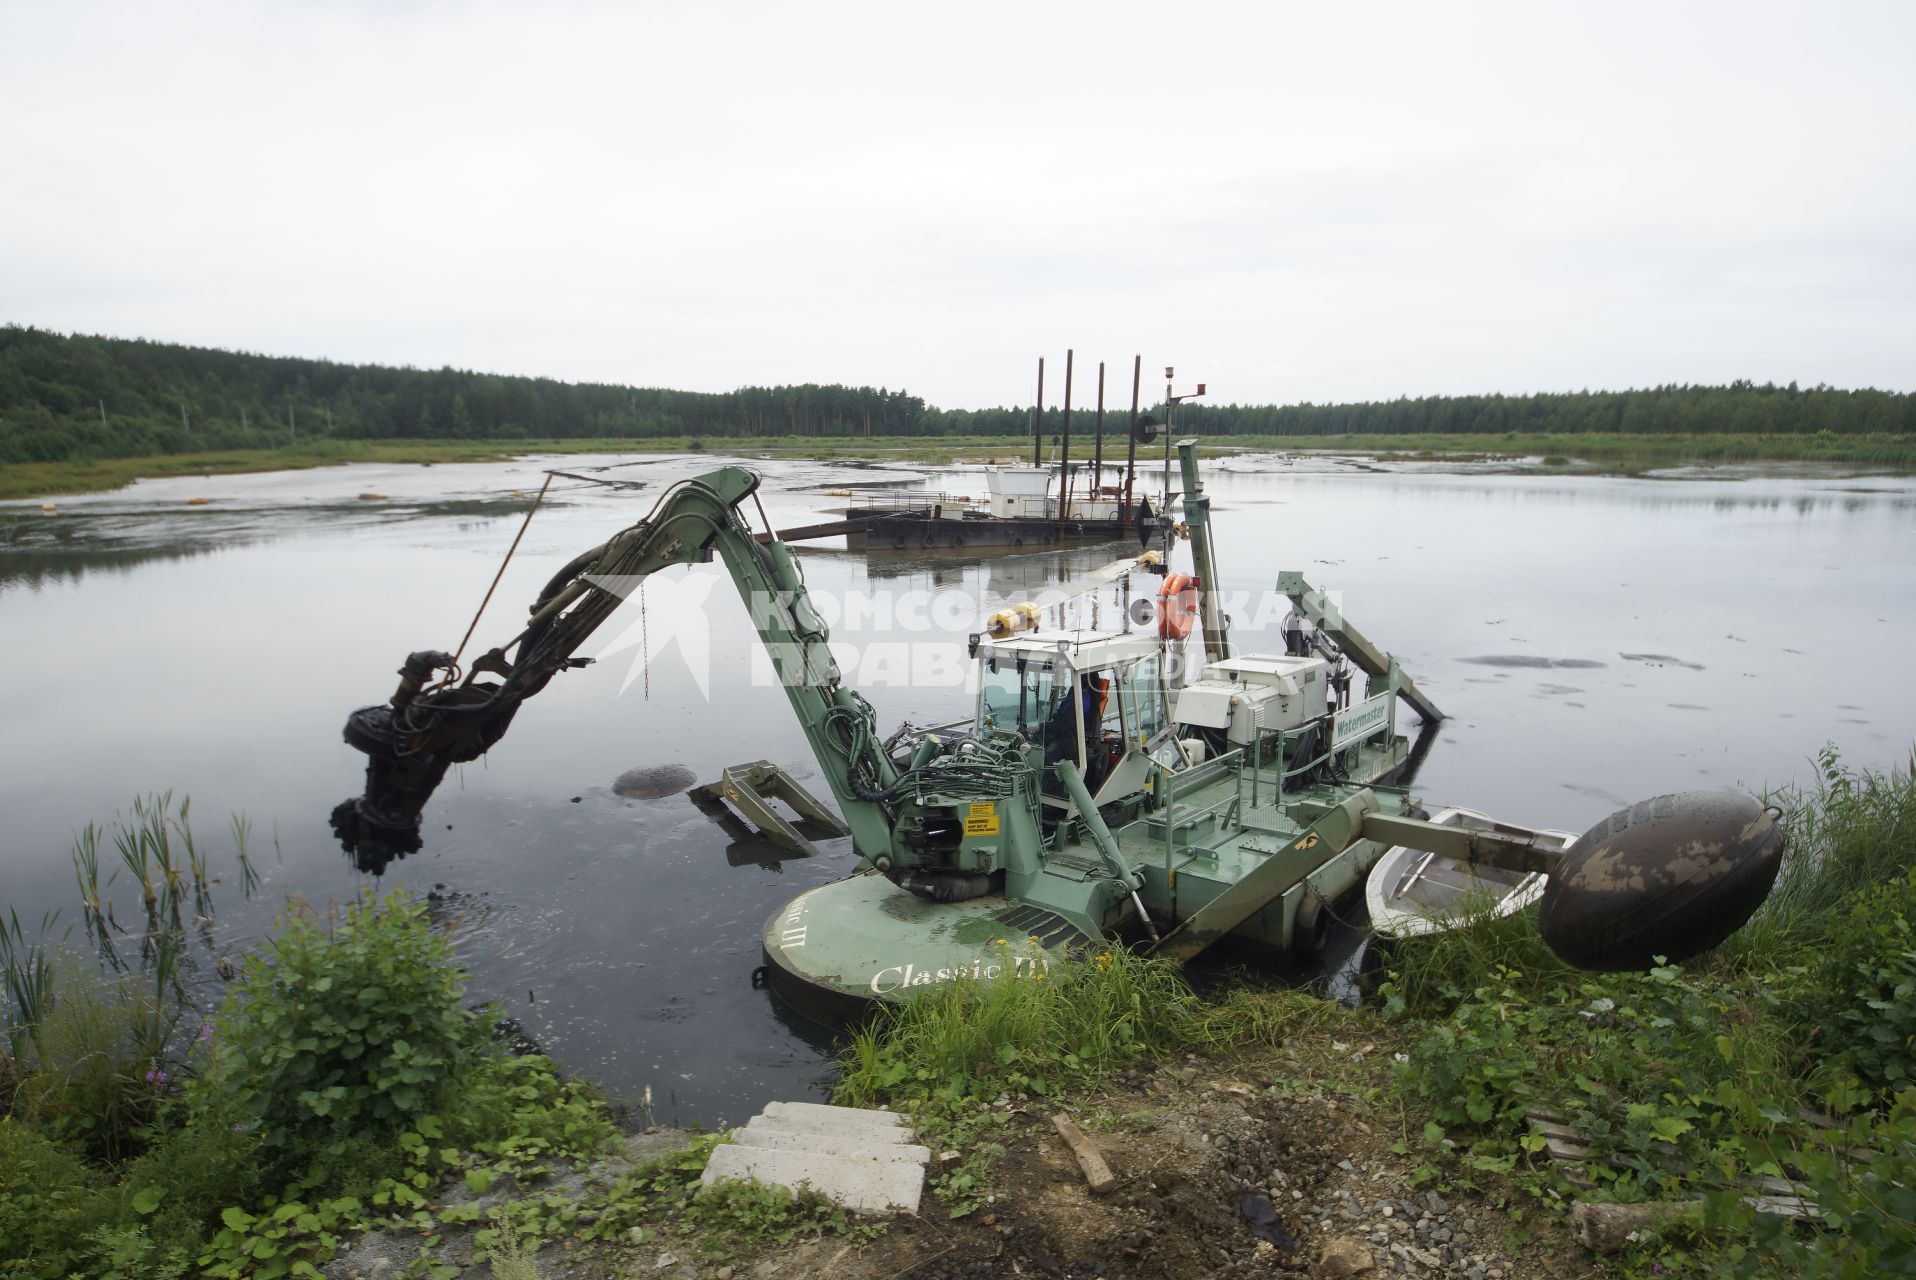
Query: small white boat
(1412, 893)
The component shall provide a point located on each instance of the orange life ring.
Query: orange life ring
(1177, 606)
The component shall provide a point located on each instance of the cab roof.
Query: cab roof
(1080, 650)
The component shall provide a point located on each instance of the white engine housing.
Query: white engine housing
(1242, 695)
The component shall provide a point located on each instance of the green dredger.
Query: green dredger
(1097, 792)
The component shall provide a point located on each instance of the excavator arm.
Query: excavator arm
(905, 810)
(426, 727)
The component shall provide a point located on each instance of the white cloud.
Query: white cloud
(1287, 202)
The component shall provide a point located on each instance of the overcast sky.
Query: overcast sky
(1289, 202)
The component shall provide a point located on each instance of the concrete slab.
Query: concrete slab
(775, 1135)
(843, 1117)
(863, 1184)
(826, 1130)
(798, 1122)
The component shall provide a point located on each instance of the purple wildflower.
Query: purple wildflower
(157, 1076)
(206, 1031)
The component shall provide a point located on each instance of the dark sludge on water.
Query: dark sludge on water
(653, 782)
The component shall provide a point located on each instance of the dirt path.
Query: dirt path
(1201, 1151)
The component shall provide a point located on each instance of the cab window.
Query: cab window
(1018, 697)
(1143, 695)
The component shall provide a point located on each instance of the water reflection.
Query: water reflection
(24, 567)
(39, 549)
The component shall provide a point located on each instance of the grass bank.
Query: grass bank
(1609, 452)
(1618, 451)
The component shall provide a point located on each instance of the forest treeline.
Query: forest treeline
(78, 398)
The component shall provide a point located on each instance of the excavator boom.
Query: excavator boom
(425, 728)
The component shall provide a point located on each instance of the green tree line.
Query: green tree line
(76, 398)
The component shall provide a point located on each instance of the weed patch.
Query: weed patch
(1777, 1064)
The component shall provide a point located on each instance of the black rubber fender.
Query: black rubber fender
(1311, 927)
(1670, 877)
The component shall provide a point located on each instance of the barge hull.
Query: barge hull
(912, 533)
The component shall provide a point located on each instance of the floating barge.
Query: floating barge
(1021, 509)
(1024, 506)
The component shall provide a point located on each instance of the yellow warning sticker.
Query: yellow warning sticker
(1308, 842)
(982, 820)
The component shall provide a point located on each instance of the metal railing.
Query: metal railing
(917, 502)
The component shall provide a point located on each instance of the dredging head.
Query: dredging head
(1669, 877)
(409, 743)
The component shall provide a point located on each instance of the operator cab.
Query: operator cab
(1095, 698)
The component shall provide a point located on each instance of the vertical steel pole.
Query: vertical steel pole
(1064, 454)
(1097, 450)
(1131, 446)
(1037, 422)
(1164, 515)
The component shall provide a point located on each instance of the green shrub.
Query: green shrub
(1636, 1064)
(1867, 1198)
(342, 1028)
(129, 1252)
(519, 1112)
(179, 1186)
(45, 1206)
(1866, 990)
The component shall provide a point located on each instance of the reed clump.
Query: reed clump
(1852, 830)
(88, 1045)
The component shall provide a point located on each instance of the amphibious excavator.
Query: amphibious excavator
(1103, 788)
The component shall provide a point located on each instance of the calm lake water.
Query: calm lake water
(1594, 640)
